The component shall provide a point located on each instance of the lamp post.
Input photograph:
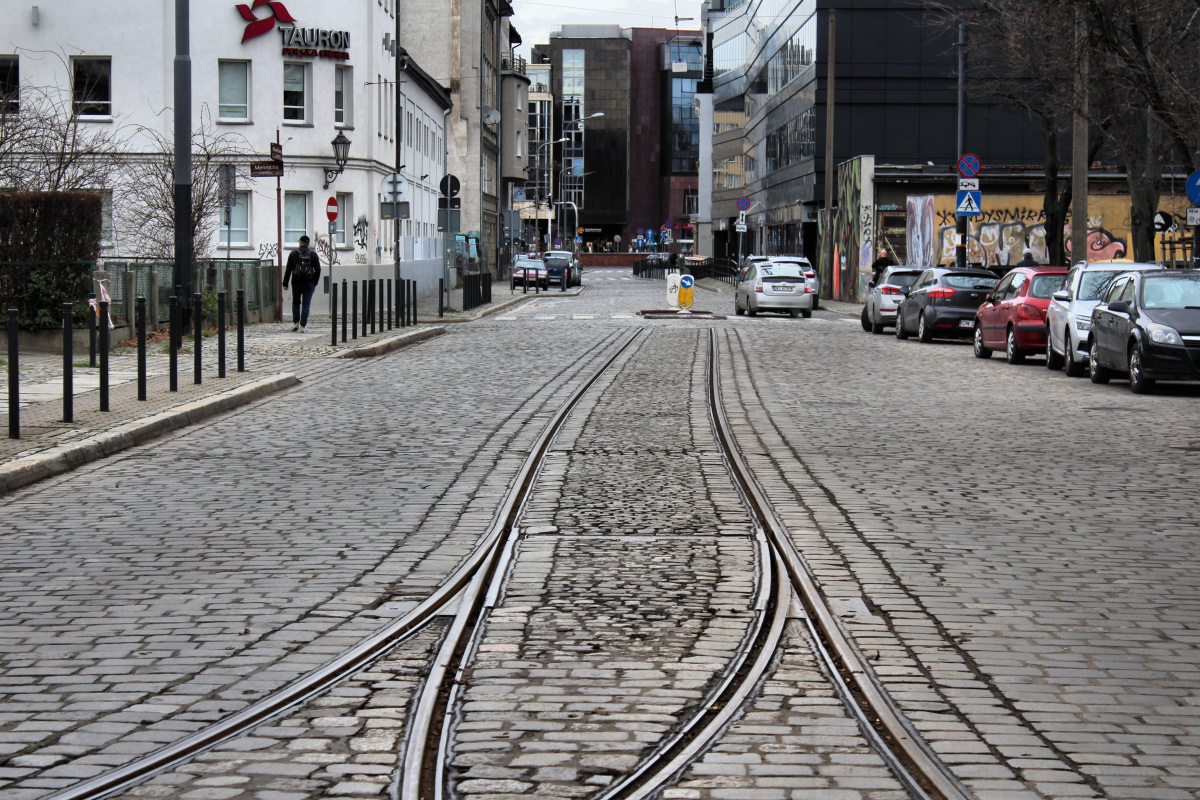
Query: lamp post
(549, 188)
(341, 154)
(575, 228)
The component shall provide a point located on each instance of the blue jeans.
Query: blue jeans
(300, 312)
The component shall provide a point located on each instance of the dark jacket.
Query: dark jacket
(294, 261)
(1028, 261)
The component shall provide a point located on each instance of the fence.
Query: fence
(153, 280)
(477, 290)
(37, 291)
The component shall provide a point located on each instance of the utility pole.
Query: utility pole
(181, 277)
(827, 240)
(960, 235)
(1079, 145)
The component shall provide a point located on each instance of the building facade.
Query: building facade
(295, 74)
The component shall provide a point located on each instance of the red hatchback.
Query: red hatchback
(1013, 317)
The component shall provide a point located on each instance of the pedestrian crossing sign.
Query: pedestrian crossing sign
(969, 204)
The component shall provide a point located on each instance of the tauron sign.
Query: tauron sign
(315, 42)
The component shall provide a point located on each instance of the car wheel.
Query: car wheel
(751, 310)
(980, 350)
(816, 302)
(805, 314)
(901, 333)
(924, 332)
(737, 309)
(1097, 373)
(866, 320)
(1071, 365)
(877, 327)
(1138, 381)
(1011, 352)
(795, 312)
(1053, 359)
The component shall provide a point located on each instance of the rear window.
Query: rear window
(1045, 285)
(556, 263)
(528, 264)
(781, 270)
(903, 278)
(1095, 284)
(970, 281)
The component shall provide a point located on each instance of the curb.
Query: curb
(393, 343)
(506, 304)
(66, 457)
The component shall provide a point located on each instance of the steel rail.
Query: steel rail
(892, 735)
(321, 679)
(421, 768)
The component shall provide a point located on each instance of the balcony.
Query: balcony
(516, 64)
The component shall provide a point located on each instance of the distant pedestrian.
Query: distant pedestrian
(304, 273)
(1028, 260)
(880, 264)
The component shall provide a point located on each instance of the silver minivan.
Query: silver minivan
(775, 285)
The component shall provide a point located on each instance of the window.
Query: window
(691, 202)
(237, 230)
(343, 96)
(91, 86)
(295, 216)
(234, 102)
(345, 211)
(10, 85)
(295, 93)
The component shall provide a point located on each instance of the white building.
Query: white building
(296, 72)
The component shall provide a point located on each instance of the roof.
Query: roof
(439, 93)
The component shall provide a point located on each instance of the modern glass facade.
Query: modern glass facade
(572, 126)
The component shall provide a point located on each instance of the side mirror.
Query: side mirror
(870, 284)
(1119, 307)
(1061, 296)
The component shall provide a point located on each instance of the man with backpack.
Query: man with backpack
(304, 273)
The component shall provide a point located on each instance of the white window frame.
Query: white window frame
(345, 73)
(240, 235)
(221, 104)
(345, 202)
(291, 233)
(306, 71)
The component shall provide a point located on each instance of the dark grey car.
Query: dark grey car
(942, 304)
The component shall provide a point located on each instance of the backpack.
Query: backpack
(308, 270)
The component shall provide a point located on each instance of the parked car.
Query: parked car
(1069, 317)
(774, 286)
(573, 271)
(1013, 316)
(558, 270)
(1148, 326)
(885, 296)
(813, 278)
(529, 271)
(942, 303)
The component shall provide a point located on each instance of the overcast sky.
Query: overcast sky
(534, 19)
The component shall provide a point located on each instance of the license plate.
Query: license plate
(783, 287)
(966, 323)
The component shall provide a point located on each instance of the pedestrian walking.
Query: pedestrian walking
(879, 265)
(304, 273)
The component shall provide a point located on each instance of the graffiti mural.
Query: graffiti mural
(1010, 224)
(921, 244)
(847, 230)
(327, 253)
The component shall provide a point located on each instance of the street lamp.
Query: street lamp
(341, 154)
(549, 188)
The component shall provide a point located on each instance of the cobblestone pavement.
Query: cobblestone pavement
(1013, 551)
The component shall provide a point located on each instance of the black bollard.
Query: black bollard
(141, 345)
(104, 334)
(91, 331)
(525, 283)
(389, 303)
(354, 313)
(220, 334)
(368, 306)
(333, 312)
(414, 302)
(173, 349)
(382, 287)
(441, 297)
(345, 317)
(241, 330)
(14, 380)
(196, 337)
(68, 363)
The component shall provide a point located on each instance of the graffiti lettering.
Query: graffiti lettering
(324, 249)
(268, 252)
(360, 232)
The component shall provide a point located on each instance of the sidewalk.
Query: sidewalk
(276, 358)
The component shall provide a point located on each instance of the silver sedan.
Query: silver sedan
(774, 286)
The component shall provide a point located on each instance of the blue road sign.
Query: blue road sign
(969, 204)
(686, 281)
(641, 231)
(969, 165)
(743, 204)
(649, 237)
(578, 240)
(1193, 187)
(669, 224)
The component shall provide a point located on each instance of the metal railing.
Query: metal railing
(259, 280)
(477, 290)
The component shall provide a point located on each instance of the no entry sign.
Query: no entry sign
(331, 209)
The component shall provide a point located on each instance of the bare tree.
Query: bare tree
(146, 211)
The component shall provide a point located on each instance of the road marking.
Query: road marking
(583, 316)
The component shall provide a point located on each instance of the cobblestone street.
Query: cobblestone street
(1012, 554)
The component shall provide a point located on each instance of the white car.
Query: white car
(814, 280)
(775, 285)
(886, 295)
(1069, 317)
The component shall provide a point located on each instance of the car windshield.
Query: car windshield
(969, 281)
(1095, 284)
(781, 270)
(1045, 285)
(902, 278)
(1171, 291)
(555, 263)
